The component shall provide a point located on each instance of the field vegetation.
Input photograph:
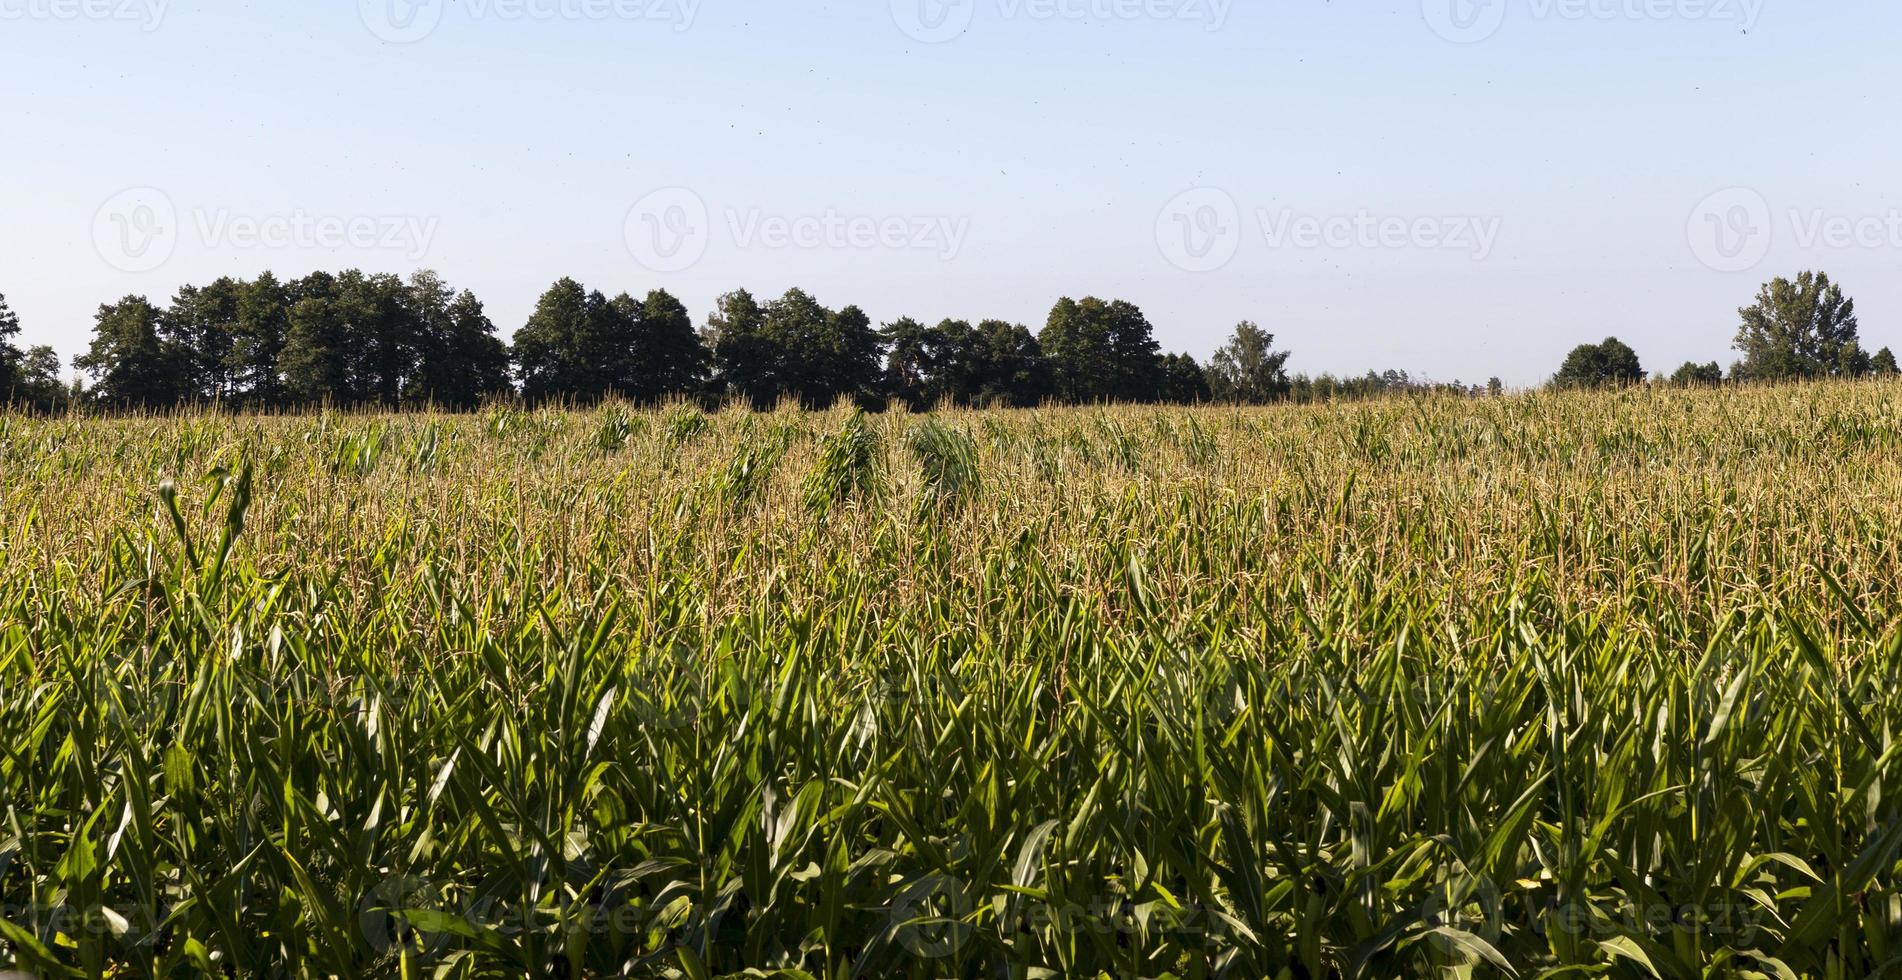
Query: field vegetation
(1561, 684)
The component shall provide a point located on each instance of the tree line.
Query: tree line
(30, 376)
(354, 338)
(1802, 328)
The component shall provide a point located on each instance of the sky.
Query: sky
(1461, 189)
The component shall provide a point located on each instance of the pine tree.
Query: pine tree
(200, 325)
(458, 359)
(131, 364)
(317, 363)
(385, 334)
(910, 366)
(257, 341)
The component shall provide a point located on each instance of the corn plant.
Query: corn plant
(1557, 685)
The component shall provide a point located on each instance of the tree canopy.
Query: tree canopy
(359, 338)
(11, 357)
(27, 377)
(1695, 375)
(350, 338)
(996, 363)
(1101, 350)
(131, 363)
(1248, 369)
(353, 338)
(1804, 328)
(1599, 366)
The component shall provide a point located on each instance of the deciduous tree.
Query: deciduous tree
(1694, 375)
(557, 354)
(1248, 370)
(1184, 382)
(1101, 351)
(1804, 328)
(745, 360)
(10, 355)
(1600, 366)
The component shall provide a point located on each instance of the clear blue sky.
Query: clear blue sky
(507, 146)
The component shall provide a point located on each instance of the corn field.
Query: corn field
(1550, 685)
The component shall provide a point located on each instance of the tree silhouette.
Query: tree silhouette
(1600, 366)
(1800, 329)
(131, 364)
(11, 357)
(1247, 369)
